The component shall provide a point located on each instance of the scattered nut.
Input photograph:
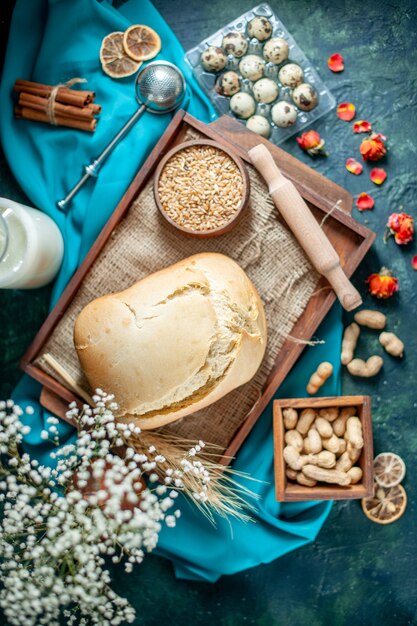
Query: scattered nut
(371, 319)
(318, 378)
(366, 369)
(350, 339)
(392, 344)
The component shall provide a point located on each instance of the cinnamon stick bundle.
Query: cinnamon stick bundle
(72, 108)
(66, 96)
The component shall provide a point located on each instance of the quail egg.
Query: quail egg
(228, 84)
(243, 105)
(305, 97)
(265, 90)
(252, 67)
(260, 27)
(276, 50)
(259, 125)
(235, 43)
(284, 114)
(291, 75)
(213, 59)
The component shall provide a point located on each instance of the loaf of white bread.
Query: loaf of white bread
(174, 342)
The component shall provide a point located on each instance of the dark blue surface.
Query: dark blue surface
(356, 573)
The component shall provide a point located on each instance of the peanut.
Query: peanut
(371, 319)
(392, 344)
(329, 414)
(291, 474)
(324, 459)
(331, 444)
(319, 377)
(294, 438)
(324, 427)
(342, 445)
(302, 479)
(365, 369)
(353, 432)
(344, 462)
(313, 441)
(339, 425)
(305, 421)
(293, 458)
(350, 339)
(354, 453)
(355, 474)
(326, 475)
(290, 418)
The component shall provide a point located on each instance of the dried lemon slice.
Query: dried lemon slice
(389, 469)
(114, 60)
(141, 43)
(386, 505)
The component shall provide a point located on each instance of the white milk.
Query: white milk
(31, 247)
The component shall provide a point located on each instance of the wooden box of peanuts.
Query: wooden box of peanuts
(323, 448)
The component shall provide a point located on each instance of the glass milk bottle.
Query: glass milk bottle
(31, 247)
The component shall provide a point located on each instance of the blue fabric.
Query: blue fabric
(53, 41)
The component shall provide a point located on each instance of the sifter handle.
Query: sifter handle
(302, 223)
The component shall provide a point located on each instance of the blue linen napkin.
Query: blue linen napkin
(52, 41)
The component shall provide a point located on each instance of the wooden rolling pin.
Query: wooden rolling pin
(301, 222)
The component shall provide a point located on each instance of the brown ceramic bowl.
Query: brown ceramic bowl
(237, 215)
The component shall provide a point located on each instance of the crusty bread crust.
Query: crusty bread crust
(174, 342)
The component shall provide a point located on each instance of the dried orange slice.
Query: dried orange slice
(114, 60)
(141, 43)
(389, 469)
(386, 505)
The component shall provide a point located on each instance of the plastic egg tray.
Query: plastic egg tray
(207, 80)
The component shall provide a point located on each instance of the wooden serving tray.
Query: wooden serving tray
(350, 239)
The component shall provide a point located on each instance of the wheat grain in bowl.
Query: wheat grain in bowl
(201, 188)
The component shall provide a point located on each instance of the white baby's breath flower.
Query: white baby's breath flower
(60, 525)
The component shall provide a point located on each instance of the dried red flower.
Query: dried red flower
(383, 284)
(365, 202)
(378, 175)
(353, 166)
(414, 262)
(362, 126)
(373, 148)
(312, 143)
(336, 63)
(402, 227)
(346, 111)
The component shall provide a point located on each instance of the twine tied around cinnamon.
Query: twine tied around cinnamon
(50, 106)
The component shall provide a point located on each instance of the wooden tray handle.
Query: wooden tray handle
(302, 223)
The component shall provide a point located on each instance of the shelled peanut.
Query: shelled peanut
(322, 445)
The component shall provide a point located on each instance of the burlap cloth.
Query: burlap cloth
(144, 243)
